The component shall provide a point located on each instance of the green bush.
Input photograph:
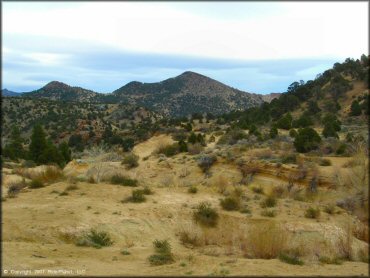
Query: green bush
(306, 140)
(205, 215)
(312, 213)
(269, 202)
(95, 239)
(138, 196)
(193, 189)
(230, 203)
(163, 253)
(147, 191)
(131, 161)
(169, 150)
(36, 183)
(124, 181)
(258, 190)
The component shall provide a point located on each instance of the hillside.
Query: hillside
(186, 94)
(61, 119)
(59, 91)
(6, 93)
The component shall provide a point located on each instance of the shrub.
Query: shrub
(290, 259)
(258, 190)
(205, 162)
(193, 189)
(16, 187)
(206, 215)
(125, 252)
(137, 196)
(93, 238)
(269, 202)
(312, 213)
(163, 253)
(36, 183)
(268, 213)
(341, 149)
(306, 140)
(147, 191)
(289, 159)
(168, 150)
(230, 203)
(266, 240)
(50, 174)
(293, 133)
(131, 161)
(245, 210)
(196, 148)
(329, 209)
(124, 181)
(325, 162)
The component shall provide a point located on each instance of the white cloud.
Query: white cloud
(305, 29)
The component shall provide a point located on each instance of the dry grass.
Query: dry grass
(15, 188)
(266, 240)
(49, 174)
(221, 183)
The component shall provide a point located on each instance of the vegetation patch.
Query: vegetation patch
(230, 203)
(131, 161)
(36, 183)
(312, 213)
(163, 254)
(205, 215)
(269, 202)
(290, 259)
(124, 181)
(192, 189)
(94, 238)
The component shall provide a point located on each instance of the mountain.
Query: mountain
(186, 94)
(59, 91)
(7, 93)
(183, 95)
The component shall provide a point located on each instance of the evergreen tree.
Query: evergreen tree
(183, 147)
(51, 154)
(192, 138)
(65, 151)
(306, 140)
(355, 108)
(273, 132)
(14, 149)
(38, 144)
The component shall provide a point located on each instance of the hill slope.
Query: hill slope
(7, 93)
(187, 93)
(59, 91)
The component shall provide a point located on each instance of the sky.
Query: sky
(256, 47)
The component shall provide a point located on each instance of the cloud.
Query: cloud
(104, 69)
(258, 47)
(284, 30)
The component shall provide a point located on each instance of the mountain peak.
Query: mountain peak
(56, 85)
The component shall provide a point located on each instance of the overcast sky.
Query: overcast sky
(256, 47)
